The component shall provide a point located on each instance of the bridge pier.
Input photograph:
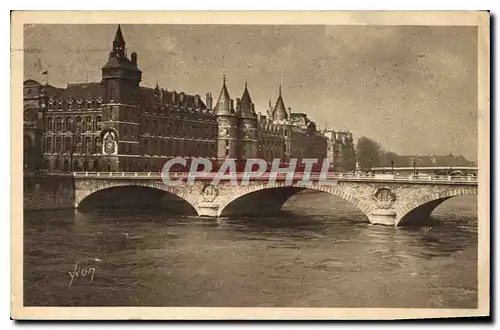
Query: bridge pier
(385, 217)
(208, 209)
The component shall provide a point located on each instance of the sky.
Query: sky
(413, 89)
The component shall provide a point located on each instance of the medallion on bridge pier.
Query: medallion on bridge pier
(209, 193)
(384, 197)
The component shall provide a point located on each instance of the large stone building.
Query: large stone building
(118, 125)
(341, 151)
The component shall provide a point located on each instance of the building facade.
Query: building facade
(341, 150)
(118, 125)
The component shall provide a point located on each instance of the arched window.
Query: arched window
(66, 165)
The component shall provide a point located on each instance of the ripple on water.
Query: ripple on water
(320, 253)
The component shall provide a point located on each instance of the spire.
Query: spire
(223, 105)
(119, 35)
(119, 44)
(246, 106)
(279, 112)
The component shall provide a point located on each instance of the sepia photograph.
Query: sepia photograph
(308, 165)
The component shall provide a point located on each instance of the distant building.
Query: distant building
(340, 150)
(118, 125)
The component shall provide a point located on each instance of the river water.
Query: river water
(320, 252)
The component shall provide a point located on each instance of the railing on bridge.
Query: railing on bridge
(296, 176)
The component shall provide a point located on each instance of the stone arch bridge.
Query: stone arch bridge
(384, 199)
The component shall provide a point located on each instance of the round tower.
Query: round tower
(282, 117)
(247, 127)
(227, 122)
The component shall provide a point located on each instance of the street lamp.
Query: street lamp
(414, 168)
(392, 166)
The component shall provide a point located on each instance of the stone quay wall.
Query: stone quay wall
(48, 192)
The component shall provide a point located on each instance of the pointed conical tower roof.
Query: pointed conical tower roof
(223, 105)
(119, 36)
(279, 112)
(246, 104)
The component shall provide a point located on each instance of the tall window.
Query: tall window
(58, 147)
(97, 144)
(88, 145)
(50, 124)
(98, 123)
(67, 144)
(59, 123)
(78, 144)
(88, 123)
(78, 124)
(68, 124)
(48, 144)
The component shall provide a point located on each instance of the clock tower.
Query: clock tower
(120, 125)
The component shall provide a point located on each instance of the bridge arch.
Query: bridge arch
(271, 197)
(84, 191)
(421, 208)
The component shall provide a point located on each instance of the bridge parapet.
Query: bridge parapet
(358, 177)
